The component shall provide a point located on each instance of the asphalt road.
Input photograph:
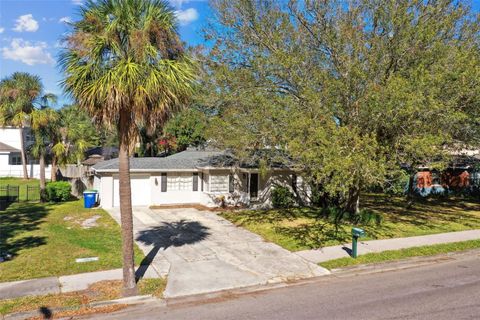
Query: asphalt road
(446, 290)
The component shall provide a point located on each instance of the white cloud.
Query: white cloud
(186, 16)
(65, 20)
(27, 52)
(1, 30)
(77, 2)
(179, 3)
(26, 23)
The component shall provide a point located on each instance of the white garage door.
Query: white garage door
(140, 190)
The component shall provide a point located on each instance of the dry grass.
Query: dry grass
(100, 291)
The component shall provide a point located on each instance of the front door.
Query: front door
(253, 185)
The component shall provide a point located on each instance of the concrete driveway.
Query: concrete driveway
(201, 252)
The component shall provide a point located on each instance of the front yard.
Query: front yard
(45, 239)
(307, 228)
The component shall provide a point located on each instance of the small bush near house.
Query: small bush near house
(58, 191)
(282, 198)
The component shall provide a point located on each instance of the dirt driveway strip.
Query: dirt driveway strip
(201, 252)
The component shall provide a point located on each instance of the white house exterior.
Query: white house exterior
(193, 177)
(10, 158)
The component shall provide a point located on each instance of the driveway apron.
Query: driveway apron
(201, 252)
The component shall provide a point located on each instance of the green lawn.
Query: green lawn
(306, 228)
(393, 255)
(22, 183)
(45, 240)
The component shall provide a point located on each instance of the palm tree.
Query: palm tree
(125, 64)
(44, 122)
(20, 94)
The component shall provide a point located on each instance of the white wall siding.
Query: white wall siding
(106, 192)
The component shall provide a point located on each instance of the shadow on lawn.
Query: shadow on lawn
(169, 234)
(309, 227)
(16, 220)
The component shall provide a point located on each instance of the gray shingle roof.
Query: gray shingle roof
(6, 148)
(186, 160)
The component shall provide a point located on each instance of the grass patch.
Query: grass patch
(393, 255)
(100, 291)
(45, 239)
(306, 228)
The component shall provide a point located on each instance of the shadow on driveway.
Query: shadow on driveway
(169, 234)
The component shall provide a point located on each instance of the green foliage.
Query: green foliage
(188, 127)
(131, 65)
(59, 191)
(397, 183)
(282, 197)
(75, 133)
(350, 93)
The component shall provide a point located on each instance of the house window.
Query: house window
(180, 182)
(15, 159)
(163, 182)
(195, 181)
(219, 183)
(231, 183)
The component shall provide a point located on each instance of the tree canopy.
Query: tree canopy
(350, 90)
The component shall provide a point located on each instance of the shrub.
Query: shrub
(282, 197)
(397, 183)
(58, 191)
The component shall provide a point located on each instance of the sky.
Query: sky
(31, 30)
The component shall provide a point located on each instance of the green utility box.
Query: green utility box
(356, 233)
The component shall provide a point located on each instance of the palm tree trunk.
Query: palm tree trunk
(42, 177)
(129, 285)
(53, 173)
(22, 154)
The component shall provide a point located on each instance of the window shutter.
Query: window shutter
(202, 180)
(195, 181)
(294, 182)
(230, 183)
(163, 182)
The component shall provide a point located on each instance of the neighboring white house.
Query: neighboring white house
(194, 177)
(10, 154)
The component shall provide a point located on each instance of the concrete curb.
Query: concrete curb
(413, 262)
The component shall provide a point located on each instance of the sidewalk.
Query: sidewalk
(364, 247)
(62, 284)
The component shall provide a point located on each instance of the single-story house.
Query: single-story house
(195, 177)
(462, 174)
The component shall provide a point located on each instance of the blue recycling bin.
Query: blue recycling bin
(89, 199)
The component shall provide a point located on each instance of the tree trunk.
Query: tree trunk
(129, 284)
(353, 201)
(411, 190)
(53, 173)
(22, 154)
(42, 177)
